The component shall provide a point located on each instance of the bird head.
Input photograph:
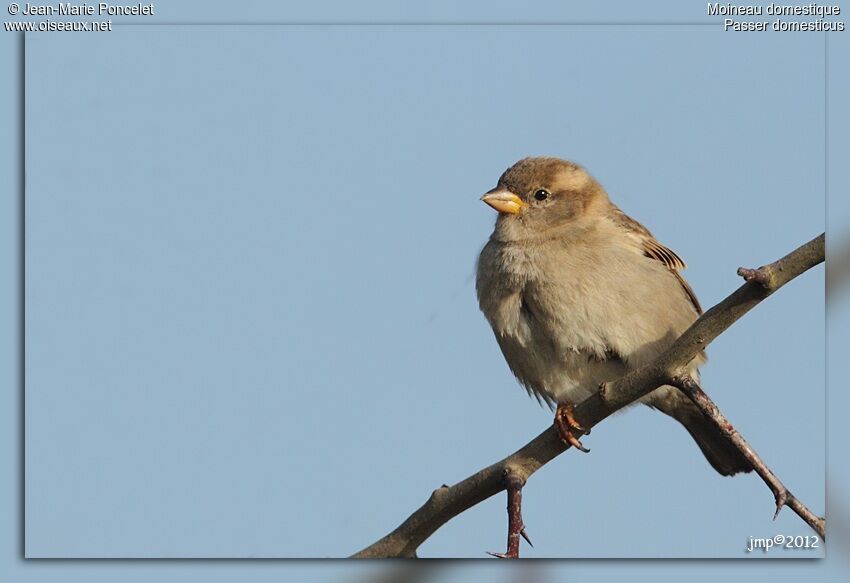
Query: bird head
(536, 195)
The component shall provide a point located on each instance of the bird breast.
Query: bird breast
(570, 314)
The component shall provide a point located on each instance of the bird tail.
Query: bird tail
(719, 451)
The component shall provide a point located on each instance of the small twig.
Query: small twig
(781, 494)
(759, 276)
(514, 482)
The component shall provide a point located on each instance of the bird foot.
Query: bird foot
(565, 424)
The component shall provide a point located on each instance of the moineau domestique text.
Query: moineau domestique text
(101, 9)
(772, 9)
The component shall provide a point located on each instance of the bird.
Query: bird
(578, 294)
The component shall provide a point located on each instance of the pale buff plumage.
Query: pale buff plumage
(578, 293)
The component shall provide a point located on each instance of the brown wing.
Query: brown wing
(689, 291)
(652, 248)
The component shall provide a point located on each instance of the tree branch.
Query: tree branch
(516, 528)
(447, 502)
(781, 494)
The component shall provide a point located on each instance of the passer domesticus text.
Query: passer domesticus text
(578, 293)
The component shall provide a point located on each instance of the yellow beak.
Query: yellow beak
(504, 201)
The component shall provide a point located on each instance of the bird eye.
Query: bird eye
(541, 194)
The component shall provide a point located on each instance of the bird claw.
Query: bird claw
(565, 423)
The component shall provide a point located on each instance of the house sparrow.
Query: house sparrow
(578, 293)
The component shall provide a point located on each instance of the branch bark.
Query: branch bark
(447, 502)
(781, 494)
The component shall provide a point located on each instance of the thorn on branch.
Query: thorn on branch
(604, 393)
(781, 500)
(438, 493)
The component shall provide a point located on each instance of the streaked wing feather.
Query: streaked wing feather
(668, 257)
(655, 250)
